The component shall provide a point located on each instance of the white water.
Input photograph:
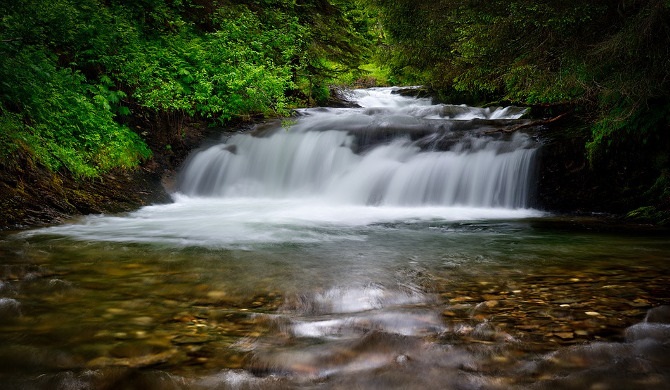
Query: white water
(394, 159)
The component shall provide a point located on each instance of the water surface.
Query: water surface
(395, 245)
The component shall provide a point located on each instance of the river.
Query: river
(392, 245)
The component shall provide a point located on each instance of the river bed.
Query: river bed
(476, 304)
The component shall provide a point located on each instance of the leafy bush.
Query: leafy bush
(62, 119)
(71, 70)
(238, 70)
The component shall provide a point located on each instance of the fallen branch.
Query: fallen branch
(540, 122)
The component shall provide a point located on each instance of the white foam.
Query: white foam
(226, 222)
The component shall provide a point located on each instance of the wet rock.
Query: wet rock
(134, 361)
(529, 327)
(142, 321)
(9, 309)
(648, 330)
(491, 303)
(216, 295)
(659, 314)
(401, 359)
(461, 299)
(192, 339)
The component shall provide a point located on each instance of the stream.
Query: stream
(392, 245)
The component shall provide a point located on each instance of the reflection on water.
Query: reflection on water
(420, 304)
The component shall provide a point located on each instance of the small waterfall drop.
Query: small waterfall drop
(392, 151)
(337, 174)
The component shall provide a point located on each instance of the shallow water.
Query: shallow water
(470, 304)
(389, 246)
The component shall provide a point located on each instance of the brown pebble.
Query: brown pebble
(461, 299)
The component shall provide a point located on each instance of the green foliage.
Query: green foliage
(240, 69)
(73, 73)
(650, 214)
(64, 121)
(608, 60)
(520, 50)
(11, 132)
(611, 56)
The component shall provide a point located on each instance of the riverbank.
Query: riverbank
(31, 195)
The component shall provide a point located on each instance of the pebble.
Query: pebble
(134, 362)
(401, 359)
(216, 294)
(142, 321)
(461, 299)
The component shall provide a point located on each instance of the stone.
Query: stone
(461, 299)
(659, 314)
(142, 321)
(216, 294)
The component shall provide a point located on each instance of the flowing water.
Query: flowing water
(392, 245)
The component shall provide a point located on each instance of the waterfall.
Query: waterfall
(390, 151)
(338, 174)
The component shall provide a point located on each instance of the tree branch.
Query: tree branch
(540, 122)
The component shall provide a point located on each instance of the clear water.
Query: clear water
(304, 279)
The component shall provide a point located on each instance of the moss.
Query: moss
(650, 214)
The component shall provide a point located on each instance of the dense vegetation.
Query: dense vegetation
(606, 61)
(76, 74)
(89, 86)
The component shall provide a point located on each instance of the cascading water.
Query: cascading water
(393, 151)
(393, 159)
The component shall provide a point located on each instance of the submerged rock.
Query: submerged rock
(659, 314)
(9, 309)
